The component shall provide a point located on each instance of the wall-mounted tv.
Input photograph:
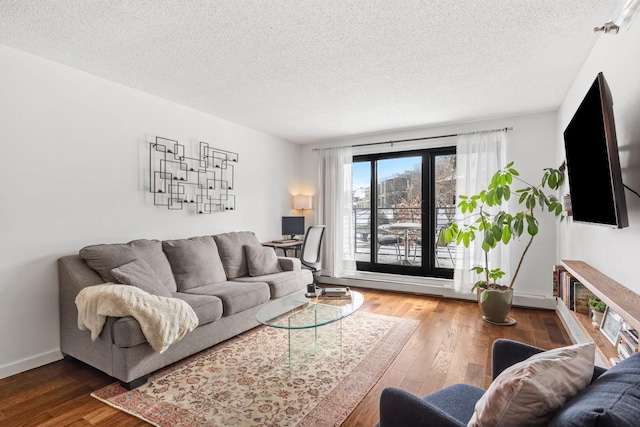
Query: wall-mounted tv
(593, 163)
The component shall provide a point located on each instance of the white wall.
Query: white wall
(74, 169)
(615, 252)
(531, 145)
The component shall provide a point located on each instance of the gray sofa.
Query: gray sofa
(225, 278)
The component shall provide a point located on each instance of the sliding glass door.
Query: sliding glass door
(400, 202)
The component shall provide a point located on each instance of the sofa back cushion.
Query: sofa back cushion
(261, 260)
(195, 262)
(611, 400)
(105, 257)
(232, 253)
(138, 273)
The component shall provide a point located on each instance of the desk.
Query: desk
(296, 246)
(406, 226)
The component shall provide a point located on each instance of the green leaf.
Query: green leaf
(489, 239)
(484, 296)
(518, 226)
(497, 232)
(558, 209)
(478, 269)
(478, 284)
(495, 179)
(522, 197)
(532, 225)
(506, 235)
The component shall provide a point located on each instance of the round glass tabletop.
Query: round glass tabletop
(296, 311)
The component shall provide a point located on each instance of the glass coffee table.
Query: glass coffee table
(313, 324)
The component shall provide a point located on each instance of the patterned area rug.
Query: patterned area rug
(246, 381)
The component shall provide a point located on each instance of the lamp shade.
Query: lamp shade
(302, 201)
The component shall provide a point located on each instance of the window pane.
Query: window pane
(445, 193)
(399, 189)
(361, 184)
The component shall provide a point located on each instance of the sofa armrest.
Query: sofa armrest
(506, 353)
(290, 264)
(401, 408)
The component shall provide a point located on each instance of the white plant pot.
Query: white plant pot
(596, 318)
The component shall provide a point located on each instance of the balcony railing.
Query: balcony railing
(391, 253)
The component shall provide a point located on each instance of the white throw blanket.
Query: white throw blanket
(163, 320)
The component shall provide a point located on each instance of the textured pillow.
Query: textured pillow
(138, 273)
(195, 262)
(106, 257)
(611, 400)
(232, 253)
(261, 260)
(529, 393)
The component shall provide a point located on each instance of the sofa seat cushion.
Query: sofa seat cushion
(105, 257)
(261, 260)
(230, 246)
(208, 308)
(235, 296)
(611, 400)
(139, 274)
(457, 400)
(194, 262)
(126, 331)
(284, 283)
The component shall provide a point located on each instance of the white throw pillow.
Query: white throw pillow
(529, 393)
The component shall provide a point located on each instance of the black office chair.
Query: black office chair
(311, 255)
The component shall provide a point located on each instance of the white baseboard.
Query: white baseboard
(30, 363)
(430, 286)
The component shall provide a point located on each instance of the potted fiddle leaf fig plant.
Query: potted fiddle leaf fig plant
(502, 228)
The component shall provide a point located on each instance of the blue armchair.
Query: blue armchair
(612, 398)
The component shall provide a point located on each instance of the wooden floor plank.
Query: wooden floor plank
(451, 344)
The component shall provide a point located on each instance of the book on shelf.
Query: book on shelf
(563, 278)
(570, 291)
(557, 270)
(581, 297)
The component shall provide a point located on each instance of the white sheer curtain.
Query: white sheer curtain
(334, 210)
(478, 157)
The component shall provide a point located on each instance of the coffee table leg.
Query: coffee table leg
(306, 342)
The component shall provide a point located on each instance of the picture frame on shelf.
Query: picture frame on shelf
(611, 322)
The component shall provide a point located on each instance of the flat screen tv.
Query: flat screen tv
(292, 225)
(593, 163)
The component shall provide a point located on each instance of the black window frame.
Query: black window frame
(428, 267)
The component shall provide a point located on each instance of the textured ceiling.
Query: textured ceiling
(311, 70)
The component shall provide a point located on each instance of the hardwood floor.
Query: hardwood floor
(452, 344)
